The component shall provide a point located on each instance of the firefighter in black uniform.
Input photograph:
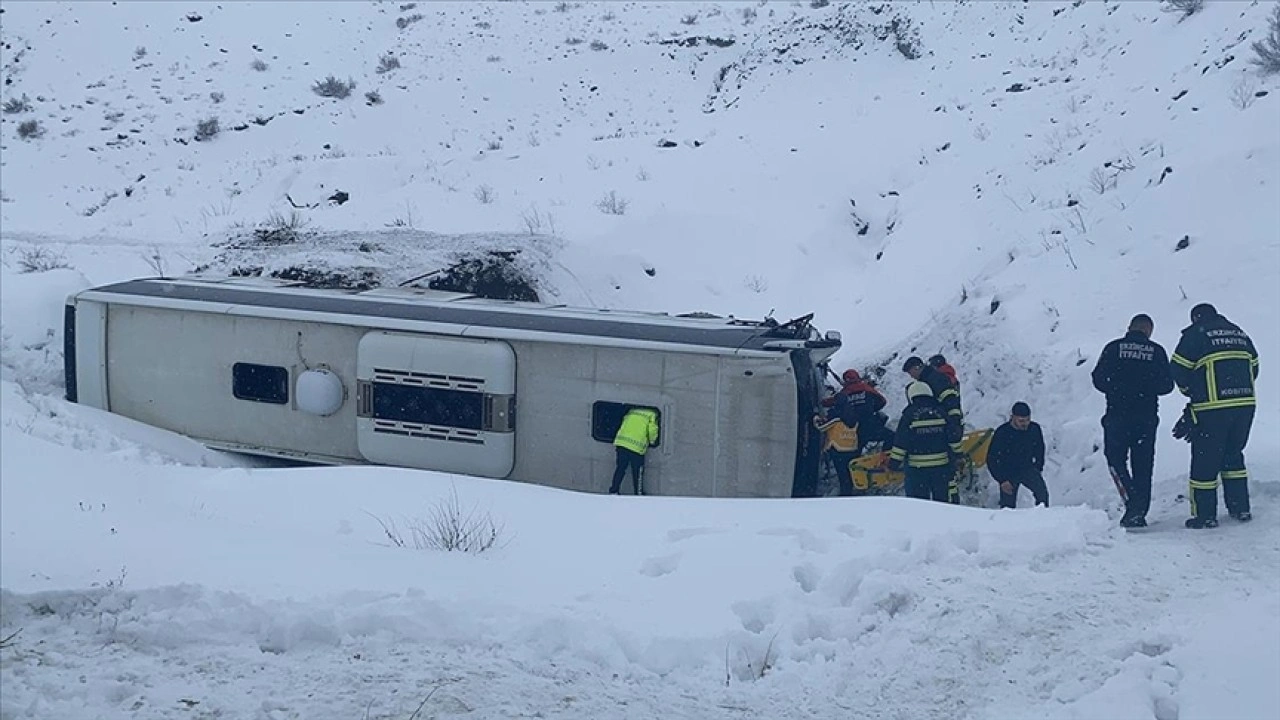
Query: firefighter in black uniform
(1215, 365)
(1133, 372)
(921, 447)
(948, 400)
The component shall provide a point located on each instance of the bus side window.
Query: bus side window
(260, 383)
(606, 418)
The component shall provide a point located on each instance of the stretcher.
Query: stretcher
(872, 476)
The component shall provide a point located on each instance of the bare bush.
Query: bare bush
(612, 204)
(447, 526)
(562, 7)
(981, 132)
(38, 259)
(485, 194)
(30, 129)
(280, 229)
(217, 97)
(1100, 181)
(207, 129)
(1243, 93)
(139, 52)
(258, 64)
(493, 59)
(690, 19)
(156, 261)
(535, 223)
(387, 63)
(10, 640)
(819, 4)
(407, 20)
(598, 45)
(13, 106)
(372, 98)
(571, 41)
(1186, 8)
(332, 87)
(493, 144)
(642, 175)
(1268, 48)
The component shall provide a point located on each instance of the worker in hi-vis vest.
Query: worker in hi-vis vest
(638, 433)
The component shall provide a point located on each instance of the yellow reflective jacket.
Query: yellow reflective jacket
(639, 430)
(839, 437)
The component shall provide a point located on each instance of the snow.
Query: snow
(153, 578)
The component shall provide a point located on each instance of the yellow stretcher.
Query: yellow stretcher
(872, 476)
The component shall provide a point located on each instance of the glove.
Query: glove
(1185, 426)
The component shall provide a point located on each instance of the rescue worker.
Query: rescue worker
(939, 363)
(1133, 372)
(638, 433)
(1215, 365)
(1016, 457)
(840, 444)
(864, 410)
(921, 447)
(948, 399)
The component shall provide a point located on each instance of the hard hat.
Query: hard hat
(918, 389)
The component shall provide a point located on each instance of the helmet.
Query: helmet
(937, 360)
(918, 389)
(851, 376)
(912, 363)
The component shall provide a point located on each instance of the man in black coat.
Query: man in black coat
(1215, 365)
(1133, 372)
(1016, 457)
(921, 448)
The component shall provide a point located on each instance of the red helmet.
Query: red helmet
(851, 376)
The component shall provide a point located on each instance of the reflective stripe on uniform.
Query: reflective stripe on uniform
(1183, 361)
(1234, 474)
(1222, 355)
(929, 460)
(1220, 404)
(1204, 484)
(928, 423)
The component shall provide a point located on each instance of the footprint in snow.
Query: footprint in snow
(686, 533)
(659, 566)
(804, 538)
(807, 577)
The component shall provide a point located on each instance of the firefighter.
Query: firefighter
(948, 399)
(939, 363)
(1016, 457)
(638, 433)
(1133, 372)
(922, 448)
(840, 443)
(864, 409)
(1215, 365)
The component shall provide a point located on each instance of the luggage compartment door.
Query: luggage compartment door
(436, 402)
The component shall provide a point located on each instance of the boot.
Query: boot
(1134, 522)
(1243, 517)
(1198, 523)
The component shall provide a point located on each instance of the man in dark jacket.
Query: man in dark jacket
(1215, 365)
(1016, 457)
(948, 399)
(863, 405)
(1133, 372)
(921, 447)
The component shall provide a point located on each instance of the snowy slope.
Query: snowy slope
(1022, 189)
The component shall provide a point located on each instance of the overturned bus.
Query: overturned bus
(448, 381)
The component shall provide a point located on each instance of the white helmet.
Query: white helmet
(918, 389)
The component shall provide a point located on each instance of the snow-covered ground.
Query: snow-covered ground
(1042, 172)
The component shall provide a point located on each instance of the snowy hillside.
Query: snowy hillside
(1004, 182)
